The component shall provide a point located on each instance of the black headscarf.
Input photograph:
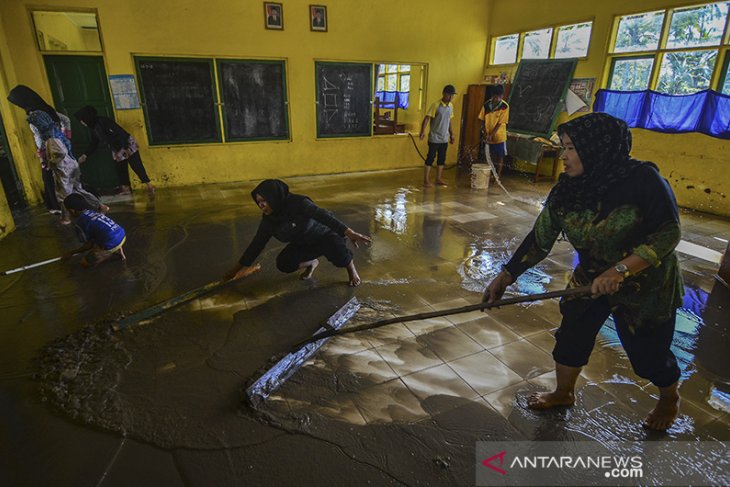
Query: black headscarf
(30, 101)
(87, 115)
(274, 191)
(603, 144)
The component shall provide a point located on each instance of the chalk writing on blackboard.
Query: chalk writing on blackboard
(343, 99)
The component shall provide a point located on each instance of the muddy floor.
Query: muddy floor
(162, 402)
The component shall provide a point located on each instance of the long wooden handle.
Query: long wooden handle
(576, 291)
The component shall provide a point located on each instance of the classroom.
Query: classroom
(581, 183)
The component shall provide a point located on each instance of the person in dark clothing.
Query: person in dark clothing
(124, 147)
(621, 217)
(30, 101)
(310, 231)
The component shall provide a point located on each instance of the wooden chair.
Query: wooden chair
(385, 117)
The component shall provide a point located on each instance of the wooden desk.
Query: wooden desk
(528, 149)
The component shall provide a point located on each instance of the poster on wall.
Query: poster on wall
(124, 91)
(578, 98)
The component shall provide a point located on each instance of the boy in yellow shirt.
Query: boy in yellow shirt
(495, 114)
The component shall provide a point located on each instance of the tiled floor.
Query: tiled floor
(433, 249)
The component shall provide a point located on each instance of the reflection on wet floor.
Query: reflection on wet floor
(433, 249)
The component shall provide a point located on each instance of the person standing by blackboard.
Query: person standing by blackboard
(124, 147)
(495, 114)
(440, 134)
(310, 232)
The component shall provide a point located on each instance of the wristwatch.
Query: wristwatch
(622, 269)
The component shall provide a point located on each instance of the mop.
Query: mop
(274, 377)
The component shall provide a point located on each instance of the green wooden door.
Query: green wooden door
(77, 81)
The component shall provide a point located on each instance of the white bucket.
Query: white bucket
(480, 176)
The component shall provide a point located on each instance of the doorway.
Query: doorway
(77, 81)
(9, 176)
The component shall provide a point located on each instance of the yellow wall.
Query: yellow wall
(697, 166)
(451, 41)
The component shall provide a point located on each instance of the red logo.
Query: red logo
(488, 462)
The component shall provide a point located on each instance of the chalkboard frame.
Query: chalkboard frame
(558, 106)
(143, 96)
(221, 95)
(320, 135)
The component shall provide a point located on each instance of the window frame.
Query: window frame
(622, 58)
(659, 54)
(398, 72)
(553, 42)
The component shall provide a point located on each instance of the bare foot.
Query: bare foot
(427, 184)
(307, 274)
(547, 400)
(441, 183)
(663, 415)
(65, 221)
(103, 209)
(353, 275)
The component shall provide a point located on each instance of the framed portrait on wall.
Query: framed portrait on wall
(318, 18)
(273, 15)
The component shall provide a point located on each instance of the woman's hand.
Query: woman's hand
(357, 237)
(607, 283)
(497, 287)
(82, 159)
(238, 271)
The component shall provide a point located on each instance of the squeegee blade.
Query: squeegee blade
(273, 378)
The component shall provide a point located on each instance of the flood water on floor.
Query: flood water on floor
(162, 403)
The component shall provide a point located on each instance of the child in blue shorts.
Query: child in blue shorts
(102, 237)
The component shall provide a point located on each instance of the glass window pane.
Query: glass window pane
(639, 32)
(405, 68)
(505, 49)
(631, 74)
(537, 44)
(391, 82)
(573, 40)
(66, 31)
(381, 84)
(381, 68)
(405, 83)
(391, 68)
(686, 72)
(697, 26)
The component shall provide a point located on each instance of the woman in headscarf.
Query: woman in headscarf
(55, 150)
(123, 146)
(30, 101)
(622, 219)
(310, 232)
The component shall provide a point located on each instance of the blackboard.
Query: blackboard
(179, 100)
(254, 99)
(344, 99)
(537, 90)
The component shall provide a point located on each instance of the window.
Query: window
(505, 49)
(394, 78)
(725, 80)
(66, 31)
(568, 41)
(682, 46)
(631, 74)
(537, 44)
(639, 32)
(573, 40)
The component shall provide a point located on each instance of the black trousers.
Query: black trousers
(331, 245)
(135, 162)
(647, 346)
(49, 190)
(433, 149)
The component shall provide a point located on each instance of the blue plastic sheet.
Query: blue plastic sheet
(707, 112)
(390, 97)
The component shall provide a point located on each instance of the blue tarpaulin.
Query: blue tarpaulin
(707, 112)
(390, 96)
